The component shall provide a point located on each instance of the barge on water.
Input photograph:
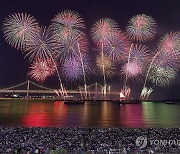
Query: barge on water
(72, 102)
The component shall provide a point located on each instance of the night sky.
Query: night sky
(14, 67)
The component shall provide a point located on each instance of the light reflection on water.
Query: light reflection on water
(99, 114)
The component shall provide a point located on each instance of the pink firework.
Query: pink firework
(132, 69)
(141, 27)
(67, 23)
(41, 69)
(166, 59)
(117, 46)
(103, 29)
(18, 28)
(70, 19)
(170, 42)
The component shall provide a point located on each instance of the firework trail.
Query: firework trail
(75, 46)
(18, 28)
(146, 92)
(72, 68)
(162, 76)
(163, 59)
(72, 46)
(101, 32)
(136, 61)
(41, 69)
(107, 69)
(141, 27)
(43, 45)
(68, 26)
(125, 85)
(126, 92)
(148, 71)
(166, 59)
(107, 64)
(83, 69)
(138, 53)
(23, 32)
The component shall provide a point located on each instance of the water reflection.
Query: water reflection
(131, 115)
(103, 114)
(161, 115)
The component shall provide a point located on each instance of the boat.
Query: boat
(128, 101)
(74, 102)
(173, 102)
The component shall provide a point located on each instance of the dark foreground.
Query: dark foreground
(88, 140)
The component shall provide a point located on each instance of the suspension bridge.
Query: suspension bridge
(29, 89)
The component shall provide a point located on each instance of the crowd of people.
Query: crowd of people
(85, 140)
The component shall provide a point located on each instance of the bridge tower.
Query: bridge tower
(96, 86)
(28, 85)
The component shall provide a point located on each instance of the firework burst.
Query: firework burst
(70, 19)
(135, 61)
(103, 29)
(138, 54)
(132, 69)
(108, 65)
(67, 23)
(117, 46)
(42, 45)
(166, 59)
(141, 27)
(72, 68)
(162, 60)
(71, 46)
(18, 28)
(161, 76)
(41, 69)
(67, 27)
(170, 42)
